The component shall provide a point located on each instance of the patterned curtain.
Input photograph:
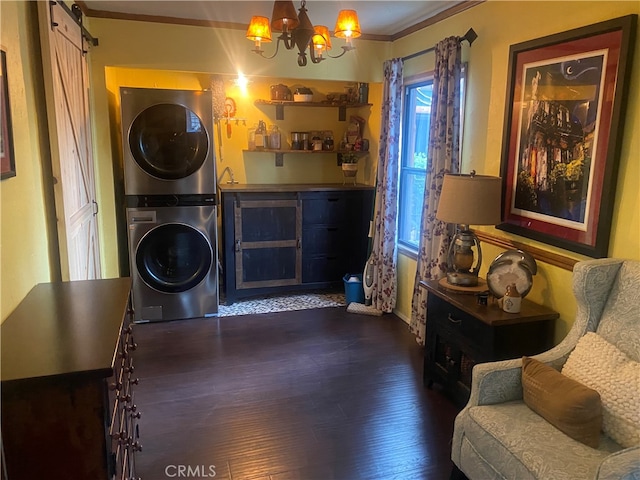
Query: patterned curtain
(384, 247)
(442, 157)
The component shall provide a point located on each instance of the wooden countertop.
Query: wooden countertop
(290, 187)
(64, 328)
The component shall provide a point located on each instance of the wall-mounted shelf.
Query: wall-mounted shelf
(281, 104)
(279, 154)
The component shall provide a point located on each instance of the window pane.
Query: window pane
(417, 113)
(413, 159)
(411, 196)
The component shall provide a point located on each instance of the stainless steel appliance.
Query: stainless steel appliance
(173, 256)
(167, 139)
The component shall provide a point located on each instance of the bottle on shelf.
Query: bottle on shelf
(261, 136)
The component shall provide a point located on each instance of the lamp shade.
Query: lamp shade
(347, 25)
(470, 200)
(259, 29)
(321, 38)
(284, 17)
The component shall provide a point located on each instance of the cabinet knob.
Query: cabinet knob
(115, 386)
(129, 369)
(126, 398)
(133, 345)
(134, 381)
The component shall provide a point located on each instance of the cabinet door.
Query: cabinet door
(267, 242)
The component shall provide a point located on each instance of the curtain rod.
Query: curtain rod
(470, 36)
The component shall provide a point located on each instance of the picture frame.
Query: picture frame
(7, 158)
(563, 130)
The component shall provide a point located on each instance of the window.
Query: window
(413, 158)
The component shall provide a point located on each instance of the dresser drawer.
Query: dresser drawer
(324, 239)
(325, 207)
(460, 327)
(323, 268)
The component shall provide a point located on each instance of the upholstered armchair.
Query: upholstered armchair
(497, 436)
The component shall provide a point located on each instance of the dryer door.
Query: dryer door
(168, 141)
(173, 258)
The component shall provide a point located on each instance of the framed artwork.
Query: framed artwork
(7, 159)
(563, 131)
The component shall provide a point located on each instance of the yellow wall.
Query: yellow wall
(500, 24)
(23, 239)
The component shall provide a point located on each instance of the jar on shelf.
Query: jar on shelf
(274, 138)
(251, 132)
(327, 144)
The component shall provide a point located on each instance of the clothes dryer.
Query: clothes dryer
(167, 141)
(173, 259)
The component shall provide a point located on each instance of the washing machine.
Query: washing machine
(173, 259)
(167, 141)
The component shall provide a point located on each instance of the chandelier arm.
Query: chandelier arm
(261, 52)
(287, 39)
(312, 54)
(345, 49)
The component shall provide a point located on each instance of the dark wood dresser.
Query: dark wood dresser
(68, 407)
(292, 237)
(461, 333)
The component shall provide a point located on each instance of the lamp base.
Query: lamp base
(445, 285)
(462, 279)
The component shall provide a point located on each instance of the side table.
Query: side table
(461, 333)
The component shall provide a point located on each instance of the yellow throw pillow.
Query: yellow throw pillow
(569, 406)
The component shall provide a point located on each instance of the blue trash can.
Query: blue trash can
(353, 290)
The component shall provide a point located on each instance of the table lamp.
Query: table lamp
(468, 200)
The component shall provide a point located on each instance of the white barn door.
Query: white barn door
(67, 92)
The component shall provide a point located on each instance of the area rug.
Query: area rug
(282, 303)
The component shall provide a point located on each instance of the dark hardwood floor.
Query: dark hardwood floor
(307, 395)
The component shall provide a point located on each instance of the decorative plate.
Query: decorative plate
(512, 266)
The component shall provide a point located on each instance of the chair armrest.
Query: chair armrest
(622, 465)
(496, 382)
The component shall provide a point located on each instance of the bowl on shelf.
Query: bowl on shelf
(303, 94)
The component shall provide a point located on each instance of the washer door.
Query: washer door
(173, 258)
(168, 141)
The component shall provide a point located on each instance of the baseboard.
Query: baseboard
(403, 317)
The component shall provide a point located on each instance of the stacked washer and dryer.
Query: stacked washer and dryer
(170, 195)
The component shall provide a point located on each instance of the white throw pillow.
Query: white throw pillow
(601, 366)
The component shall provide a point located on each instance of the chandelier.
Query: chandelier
(298, 31)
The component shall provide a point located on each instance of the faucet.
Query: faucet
(231, 180)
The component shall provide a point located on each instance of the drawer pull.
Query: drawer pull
(453, 320)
